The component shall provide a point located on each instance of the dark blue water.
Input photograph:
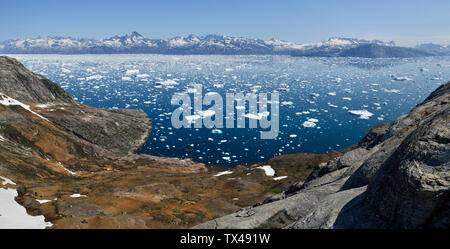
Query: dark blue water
(325, 89)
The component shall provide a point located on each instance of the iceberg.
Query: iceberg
(363, 114)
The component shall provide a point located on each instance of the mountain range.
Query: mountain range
(215, 44)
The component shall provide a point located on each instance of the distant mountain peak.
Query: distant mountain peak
(356, 41)
(135, 33)
(433, 47)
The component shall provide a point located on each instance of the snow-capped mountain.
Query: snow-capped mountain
(192, 44)
(434, 47)
(338, 42)
(136, 43)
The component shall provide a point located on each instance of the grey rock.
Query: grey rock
(324, 215)
(414, 182)
(120, 131)
(340, 168)
(363, 174)
(374, 136)
(19, 83)
(77, 208)
(276, 214)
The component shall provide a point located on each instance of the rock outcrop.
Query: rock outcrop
(19, 83)
(120, 131)
(398, 176)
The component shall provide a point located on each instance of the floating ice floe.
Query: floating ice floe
(391, 90)
(401, 78)
(227, 172)
(65, 70)
(332, 93)
(192, 118)
(94, 77)
(168, 82)
(284, 103)
(216, 131)
(332, 106)
(144, 75)
(337, 80)
(15, 216)
(268, 170)
(258, 116)
(126, 78)
(6, 100)
(363, 114)
(308, 124)
(207, 113)
(131, 71)
(311, 122)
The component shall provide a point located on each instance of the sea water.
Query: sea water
(325, 103)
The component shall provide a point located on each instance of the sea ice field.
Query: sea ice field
(325, 103)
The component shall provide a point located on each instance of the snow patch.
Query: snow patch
(43, 201)
(6, 100)
(268, 170)
(13, 215)
(227, 172)
(6, 181)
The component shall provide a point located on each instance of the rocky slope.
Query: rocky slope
(211, 44)
(74, 165)
(398, 176)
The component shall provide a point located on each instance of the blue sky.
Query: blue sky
(406, 22)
